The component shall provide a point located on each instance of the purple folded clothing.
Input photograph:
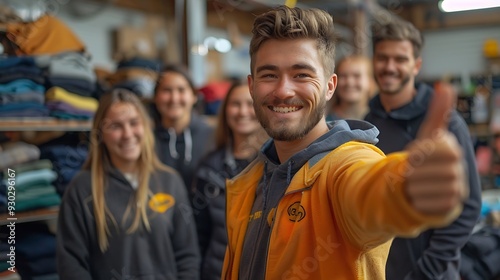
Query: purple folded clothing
(67, 108)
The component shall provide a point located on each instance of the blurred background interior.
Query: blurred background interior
(70, 52)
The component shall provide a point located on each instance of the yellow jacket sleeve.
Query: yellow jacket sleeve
(368, 196)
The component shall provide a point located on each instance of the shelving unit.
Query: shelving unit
(39, 124)
(43, 124)
(30, 216)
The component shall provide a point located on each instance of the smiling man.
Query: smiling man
(321, 201)
(398, 112)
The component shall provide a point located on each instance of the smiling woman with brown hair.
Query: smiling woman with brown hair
(238, 139)
(182, 137)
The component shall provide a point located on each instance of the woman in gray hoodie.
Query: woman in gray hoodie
(182, 137)
(125, 215)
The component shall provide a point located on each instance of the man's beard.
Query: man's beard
(281, 131)
(401, 85)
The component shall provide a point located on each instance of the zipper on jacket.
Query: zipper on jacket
(269, 241)
(229, 250)
(272, 226)
(264, 208)
(253, 256)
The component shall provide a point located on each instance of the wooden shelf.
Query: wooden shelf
(30, 216)
(43, 124)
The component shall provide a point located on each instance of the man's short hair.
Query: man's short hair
(284, 23)
(397, 30)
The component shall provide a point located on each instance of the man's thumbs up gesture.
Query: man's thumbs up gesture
(436, 182)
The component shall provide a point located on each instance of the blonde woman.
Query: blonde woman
(125, 215)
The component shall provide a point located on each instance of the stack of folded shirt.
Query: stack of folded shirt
(33, 178)
(35, 251)
(67, 154)
(72, 83)
(13, 153)
(67, 105)
(21, 88)
(138, 75)
(71, 71)
(45, 43)
(67, 160)
(34, 188)
(5, 273)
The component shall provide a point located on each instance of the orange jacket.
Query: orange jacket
(336, 219)
(47, 35)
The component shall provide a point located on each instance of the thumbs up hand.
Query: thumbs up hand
(436, 182)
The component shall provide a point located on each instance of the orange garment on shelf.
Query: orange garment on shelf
(47, 35)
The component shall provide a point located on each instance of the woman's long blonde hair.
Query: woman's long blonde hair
(99, 164)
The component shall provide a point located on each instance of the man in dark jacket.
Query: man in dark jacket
(398, 111)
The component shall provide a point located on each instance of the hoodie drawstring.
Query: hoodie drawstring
(188, 140)
(188, 151)
(171, 143)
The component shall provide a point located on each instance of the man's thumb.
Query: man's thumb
(438, 111)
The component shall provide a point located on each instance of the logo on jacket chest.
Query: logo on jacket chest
(296, 212)
(161, 202)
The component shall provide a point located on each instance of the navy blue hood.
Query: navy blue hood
(341, 131)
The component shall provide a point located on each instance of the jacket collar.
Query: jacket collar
(308, 174)
(417, 106)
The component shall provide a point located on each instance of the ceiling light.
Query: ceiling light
(465, 5)
(199, 49)
(223, 45)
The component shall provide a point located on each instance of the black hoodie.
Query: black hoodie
(168, 251)
(183, 152)
(209, 207)
(434, 254)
